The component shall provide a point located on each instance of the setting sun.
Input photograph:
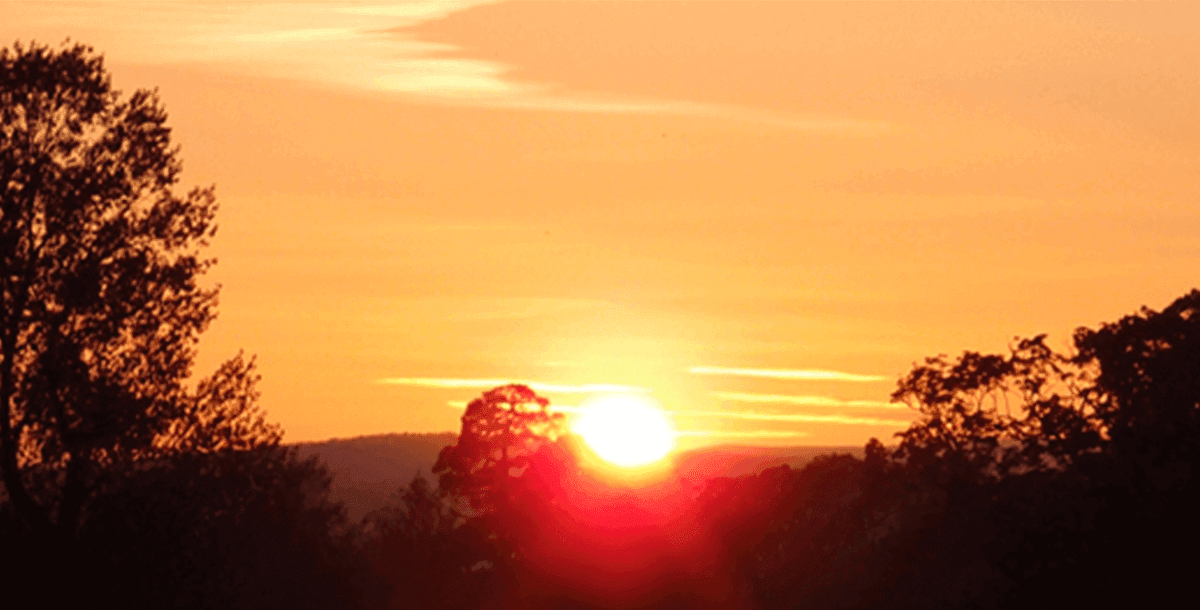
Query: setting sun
(625, 431)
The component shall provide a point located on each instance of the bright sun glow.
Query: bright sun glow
(625, 431)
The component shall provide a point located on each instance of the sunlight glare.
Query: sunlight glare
(625, 431)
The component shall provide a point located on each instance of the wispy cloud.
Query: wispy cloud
(453, 383)
(808, 401)
(462, 404)
(797, 374)
(358, 45)
(748, 416)
(743, 433)
(807, 418)
(540, 98)
(296, 35)
(408, 9)
(453, 78)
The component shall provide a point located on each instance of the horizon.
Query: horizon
(760, 215)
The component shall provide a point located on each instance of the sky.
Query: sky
(757, 215)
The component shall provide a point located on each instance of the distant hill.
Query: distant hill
(737, 460)
(369, 470)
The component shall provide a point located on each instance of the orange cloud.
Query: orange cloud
(797, 374)
(452, 383)
(808, 401)
(743, 433)
(797, 417)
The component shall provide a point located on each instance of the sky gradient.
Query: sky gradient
(759, 215)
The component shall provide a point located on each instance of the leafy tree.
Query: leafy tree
(101, 305)
(1146, 389)
(506, 475)
(985, 416)
(502, 431)
(1049, 478)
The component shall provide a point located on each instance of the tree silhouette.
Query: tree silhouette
(501, 432)
(506, 476)
(119, 476)
(1147, 391)
(986, 416)
(100, 301)
(1030, 479)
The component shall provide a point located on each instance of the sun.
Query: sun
(625, 431)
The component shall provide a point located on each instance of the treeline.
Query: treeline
(1031, 478)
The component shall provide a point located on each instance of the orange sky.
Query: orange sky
(707, 201)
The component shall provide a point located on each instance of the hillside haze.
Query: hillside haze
(369, 471)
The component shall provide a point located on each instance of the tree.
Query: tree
(101, 305)
(1147, 380)
(506, 475)
(985, 416)
(1070, 474)
(502, 433)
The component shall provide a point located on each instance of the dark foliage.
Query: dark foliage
(1030, 479)
(100, 303)
(122, 482)
(239, 529)
(428, 558)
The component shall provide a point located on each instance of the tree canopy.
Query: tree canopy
(101, 303)
(1032, 478)
(124, 475)
(502, 432)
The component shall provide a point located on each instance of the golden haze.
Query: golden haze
(619, 193)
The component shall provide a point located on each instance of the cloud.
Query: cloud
(452, 383)
(809, 401)
(807, 418)
(479, 308)
(297, 35)
(539, 98)
(742, 415)
(359, 45)
(462, 404)
(743, 434)
(410, 9)
(797, 374)
(455, 78)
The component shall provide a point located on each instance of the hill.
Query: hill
(369, 470)
(737, 460)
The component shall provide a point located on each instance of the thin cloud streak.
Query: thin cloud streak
(298, 35)
(452, 383)
(795, 374)
(808, 401)
(363, 46)
(462, 404)
(533, 99)
(743, 434)
(796, 417)
(747, 415)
